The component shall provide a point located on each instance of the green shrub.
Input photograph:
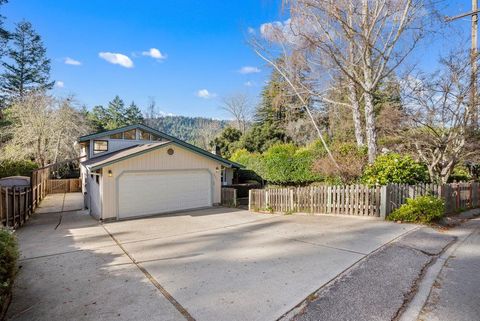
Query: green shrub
(395, 168)
(460, 174)
(16, 168)
(424, 209)
(8, 264)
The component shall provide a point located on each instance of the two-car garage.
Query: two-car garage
(152, 192)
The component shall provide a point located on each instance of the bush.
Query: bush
(460, 174)
(424, 209)
(395, 168)
(16, 168)
(8, 266)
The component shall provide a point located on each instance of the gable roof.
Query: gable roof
(147, 147)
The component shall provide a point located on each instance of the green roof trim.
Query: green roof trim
(163, 135)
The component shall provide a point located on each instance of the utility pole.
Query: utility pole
(473, 60)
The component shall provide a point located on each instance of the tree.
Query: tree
(239, 107)
(133, 115)
(28, 68)
(206, 133)
(4, 34)
(227, 142)
(439, 110)
(44, 129)
(261, 137)
(361, 41)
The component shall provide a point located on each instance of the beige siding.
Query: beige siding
(154, 161)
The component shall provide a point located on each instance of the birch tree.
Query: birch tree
(239, 107)
(362, 41)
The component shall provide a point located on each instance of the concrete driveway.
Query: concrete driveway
(213, 264)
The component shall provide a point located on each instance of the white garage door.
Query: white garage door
(146, 193)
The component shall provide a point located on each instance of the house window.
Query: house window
(156, 138)
(100, 146)
(144, 135)
(130, 134)
(117, 136)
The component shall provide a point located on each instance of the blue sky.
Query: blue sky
(202, 48)
(204, 44)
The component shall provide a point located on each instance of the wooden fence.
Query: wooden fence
(18, 203)
(229, 197)
(69, 185)
(360, 200)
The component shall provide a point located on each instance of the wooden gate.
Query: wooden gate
(70, 185)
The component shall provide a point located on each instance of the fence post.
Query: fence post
(291, 200)
(234, 198)
(384, 199)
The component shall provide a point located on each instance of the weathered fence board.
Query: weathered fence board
(361, 200)
(18, 203)
(229, 197)
(70, 185)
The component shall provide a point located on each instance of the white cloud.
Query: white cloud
(71, 61)
(248, 83)
(116, 59)
(251, 30)
(249, 70)
(205, 94)
(154, 53)
(59, 84)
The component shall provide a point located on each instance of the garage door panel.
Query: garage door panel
(145, 193)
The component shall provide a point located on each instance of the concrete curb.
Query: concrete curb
(412, 312)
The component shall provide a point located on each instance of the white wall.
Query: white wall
(157, 160)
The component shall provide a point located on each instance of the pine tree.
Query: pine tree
(133, 115)
(4, 34)
(115, 114)
(28, 68)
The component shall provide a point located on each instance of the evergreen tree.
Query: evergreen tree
(115, 114)
(133, 114)
(4, 34)
(28, 68)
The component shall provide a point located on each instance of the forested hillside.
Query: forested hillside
(186, 128)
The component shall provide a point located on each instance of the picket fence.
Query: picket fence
(361, 200)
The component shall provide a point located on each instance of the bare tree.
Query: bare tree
(206, 133)
(439, 111)
(362, 41)
(44, 129)
(239, 107)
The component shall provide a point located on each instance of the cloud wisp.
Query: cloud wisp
(71, 61)
(205, 94)
(154, 53)
(116, 59)
(249, 70)
(59, 84)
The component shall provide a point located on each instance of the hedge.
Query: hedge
(8, 267)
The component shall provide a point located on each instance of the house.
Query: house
(136, 171)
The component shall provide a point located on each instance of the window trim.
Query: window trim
(97, 151)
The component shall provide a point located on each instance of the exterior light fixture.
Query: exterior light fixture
(110, 173)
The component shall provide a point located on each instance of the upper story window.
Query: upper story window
(100, 146)
(144, 135)
(117, 136)
(130, 134)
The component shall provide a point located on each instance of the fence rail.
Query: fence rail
(69, 185)
(229, 197)
(360, 200)
(18, 203)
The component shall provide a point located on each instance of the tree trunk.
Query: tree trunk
(353, 97)
(370, 127)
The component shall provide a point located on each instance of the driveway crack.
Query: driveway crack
(152, 280)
